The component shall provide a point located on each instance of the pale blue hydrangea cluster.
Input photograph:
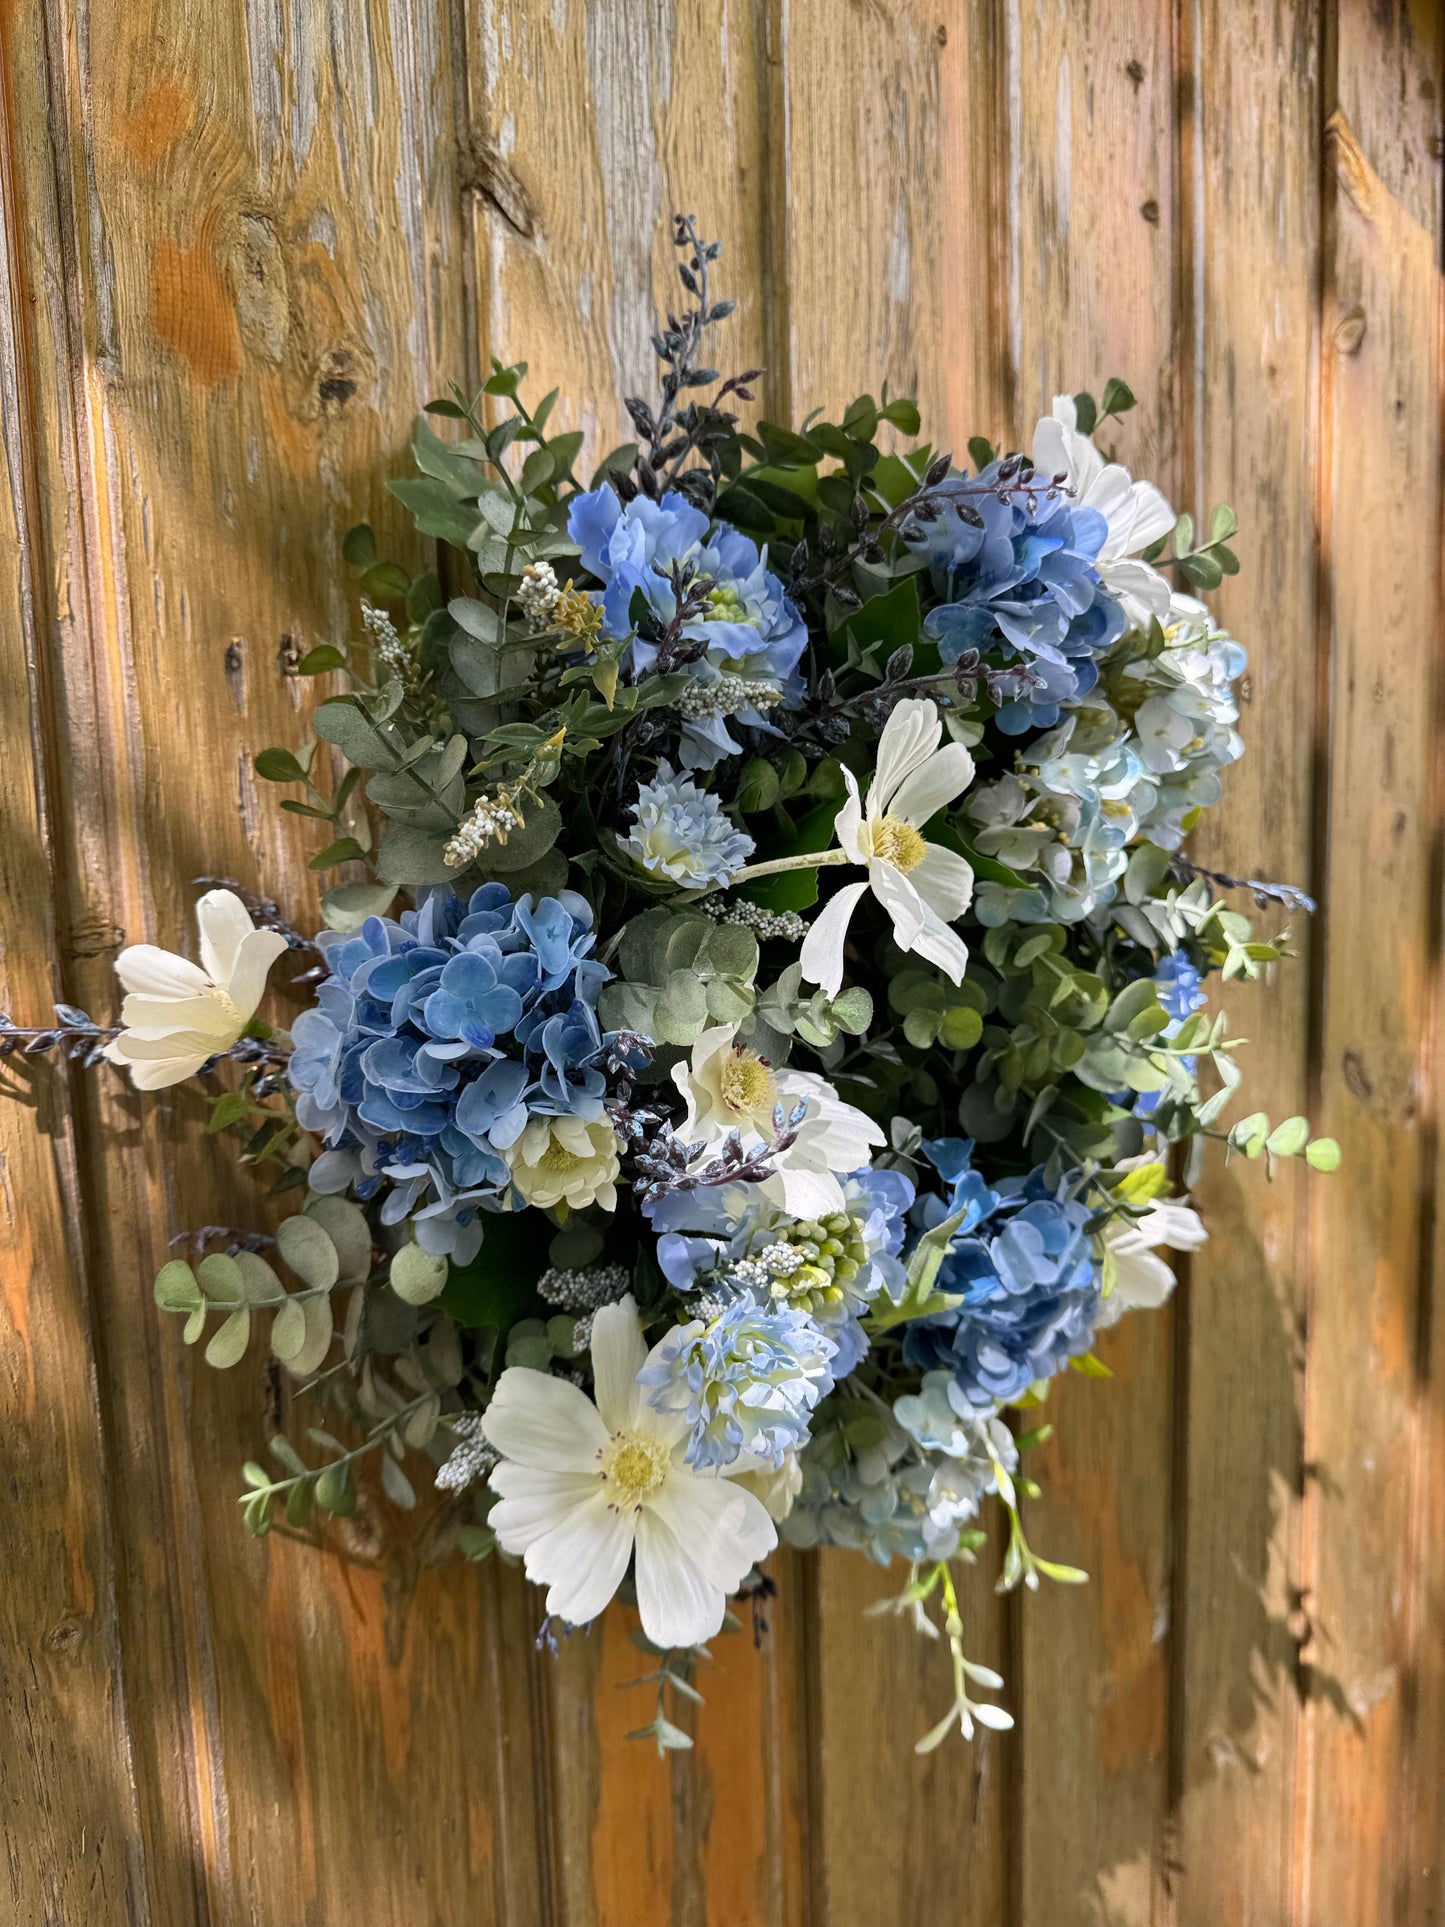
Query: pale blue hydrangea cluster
(1129, 762)
(734, 1238)
(746, 1381)
(436, 1038)
(1024, 1268)
(750, 629)
(899, 1484)
(684, 834)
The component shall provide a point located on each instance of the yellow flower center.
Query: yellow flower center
(748, 1084)
(559, 1160)
(228, 1004)
(634, 1466)
(898, 843)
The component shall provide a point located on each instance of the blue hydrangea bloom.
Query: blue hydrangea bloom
(746, 1381)
(684, 834)
(1023, 1264)
(1180, 987)
(436, 1037)
(731, 1238)
(750, 628)
(1023, 582)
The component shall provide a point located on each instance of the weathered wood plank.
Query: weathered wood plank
(1091, 144)
(1369, 1395)
(592, 124)
(241, 244)
(70, 1818)
(889, 176)
(1247, 414)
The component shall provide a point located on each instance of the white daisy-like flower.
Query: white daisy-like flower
(584, 1488)
(922, 886)
(727, 1088)
(1136, 1278)
(566, 1161)
(178, 1014)
(1137, 514)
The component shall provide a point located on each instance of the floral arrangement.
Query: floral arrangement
(759, 1036)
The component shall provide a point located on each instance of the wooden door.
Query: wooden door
(242, 243)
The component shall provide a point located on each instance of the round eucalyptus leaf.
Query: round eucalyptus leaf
(228, 1343)
(176, 1287)
(262, 1286)
(222, 1279)
(416, 1275)
(288, 1330)
(319, 1329)
(345, 1225)
(310, 1252)
(528, 845)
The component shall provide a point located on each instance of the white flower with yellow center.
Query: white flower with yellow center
(583, 1488)
(564, 1161)
(727, 1088)
(1137, 514)
(922, 886)
(178, 1014)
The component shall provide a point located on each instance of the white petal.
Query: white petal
(679, 1607)
(544, 1422)
(163, 1015)
(723, 1528)
(154, 1074)
(1141, 589)
(941, 946)
(806, 1194)
(224, 924)
(1051, 445)
(944, 880)
(582, 1560)
(257, 954)
(899, 898)
(618, 1355)
(933, 786)
(532, 1502)
(848, 823)
(153, 972)
(821, 957)
(1153, 516)
(909, 738)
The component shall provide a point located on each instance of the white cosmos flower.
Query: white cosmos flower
(922, 886)
(1140, 1278)
(729, 1088)
(1137, 514)
(584, 1487)
(177, 1014)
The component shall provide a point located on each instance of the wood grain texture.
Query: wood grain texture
(240, 247)
(1091, 140)
(1369, 1396)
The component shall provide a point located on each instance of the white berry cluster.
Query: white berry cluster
(470, 1458)
(393, 652)
(537, 596)
(785, 924)
(727, 697)
(491, 820)
(584, 1290)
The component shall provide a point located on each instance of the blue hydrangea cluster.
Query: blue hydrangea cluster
(433, 1041)
(745, 1381)
(1023, 1265)
(684, 834)
(733, 1238)
(899, 1484)
(1022, 581)
(754, 638)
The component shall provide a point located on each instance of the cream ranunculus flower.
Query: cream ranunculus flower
(585, 1487)
(729, 1088)
(178, 1014)
(922, 886)
(562, 1160)
(1137, 514)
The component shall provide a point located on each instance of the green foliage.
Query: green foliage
(681, 973)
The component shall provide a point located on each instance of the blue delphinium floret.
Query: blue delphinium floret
(684, 834)
(1022, 582)
(1029, 1282)
(433, 1041)
(752, 634)
(746, 1380)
